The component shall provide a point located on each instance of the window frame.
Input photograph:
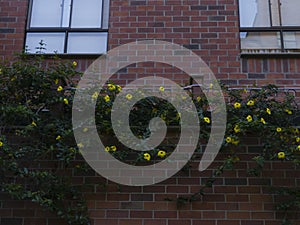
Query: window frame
(281, 29)
(67, 30)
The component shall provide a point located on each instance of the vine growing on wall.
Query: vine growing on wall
(38, 153)
(37, 147)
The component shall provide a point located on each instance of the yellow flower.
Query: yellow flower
(161, 88)
(1, 143)
(56, 81)
(58, 137)
(161, 154)
(183, 97)
(298, 147)
(111, 87)
(268, 111)
(235, 142)
(74, 63)
(33, 123)
(211, 85)
(66, 101)
(59, 88)
(237, 105)
(228, 139)
(198, 99)
(80, 145)
(278, 129)
(206, 120)
(95, 95)
(237, 129)
(107, 149)
(298, 139)
(129, 96)
(119, 88)
(249, 118)
(147, 156)
(85, 129)
(106, 98)
(163, 117)
(113, 148)
(262, 120)
(288, 111)
(281, 155)
(250, 103)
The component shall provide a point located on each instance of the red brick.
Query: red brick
(34, 221)
(155, 222)
(237, 198)
(238, 215)
(140, 214)
(130, 222)
(117, 213)
(179, 222)
(263, 215)
(158, 206)
(6, 212)
(201, 222)
(165, 214)
(106, 221)
(214, 214)
(228, 222)
(190, 214)
(251, 206)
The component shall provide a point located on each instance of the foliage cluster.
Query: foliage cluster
(37, 147)
(36, 128)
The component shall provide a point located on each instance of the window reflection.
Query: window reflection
(254, 13)
(86, 15)
(46, 15)
(87, 42)
(290, 10)
(266, 25)
(54, 42)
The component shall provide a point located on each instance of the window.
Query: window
(269, 26)
(67, 26)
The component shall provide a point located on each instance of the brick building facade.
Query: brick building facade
(211, 29)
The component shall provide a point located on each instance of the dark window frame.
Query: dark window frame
(65, 30)
(280, 29)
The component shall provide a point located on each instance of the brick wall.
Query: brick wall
(236, 197)
(12, 24)
(210, 29)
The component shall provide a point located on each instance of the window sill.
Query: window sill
(271, 55)
(66, 56)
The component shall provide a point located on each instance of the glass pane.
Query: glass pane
(54, 42)
(290, 12)
(275, 12)
(66, 5)
(261, 42)
(254, 13)
(105, 14)
(87, 43)
(46, 13)
(87, 13)
(291, 40)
